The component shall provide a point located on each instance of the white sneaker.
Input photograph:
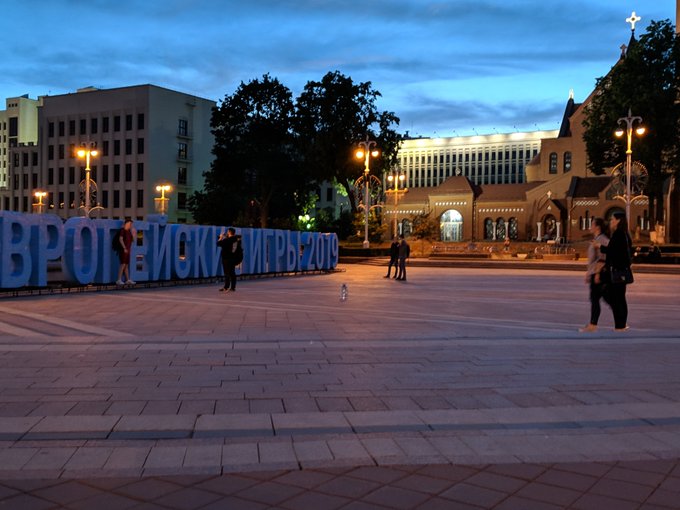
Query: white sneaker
(131, 282)
(119, 282)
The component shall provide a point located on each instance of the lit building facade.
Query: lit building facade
(483, 159)
(18, 125)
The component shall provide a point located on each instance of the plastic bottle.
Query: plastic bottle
(343, 292)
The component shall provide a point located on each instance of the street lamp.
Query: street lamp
(368, 150)
(88, 151)
(162, 201)
(40, 195)
(397, 180)
(629, 122)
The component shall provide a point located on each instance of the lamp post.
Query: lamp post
(366, 152)
(40, 195)
(396, 179)
(87, 151)
(629, 122)
(162, 201)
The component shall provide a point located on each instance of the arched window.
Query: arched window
(451, 226)
(406, 227)
(513, 228)
(567, 161)
(500, 228)
(553, 163)
(488, 228)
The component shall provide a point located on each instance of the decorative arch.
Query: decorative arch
(451, 226)
(549, 226)
(488, 228)
(500, 228)
(513, 228)
(406, 227)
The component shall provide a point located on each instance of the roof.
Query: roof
(565, 127)
(454, 184)
(505, 192)
(582, 187)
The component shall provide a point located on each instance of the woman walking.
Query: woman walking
(594, 274)
(618, 258)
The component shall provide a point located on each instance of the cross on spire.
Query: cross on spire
(634, 18)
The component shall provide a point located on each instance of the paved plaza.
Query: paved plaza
(461, 388)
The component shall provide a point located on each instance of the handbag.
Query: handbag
(624, 275)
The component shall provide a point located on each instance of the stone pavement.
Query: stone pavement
(461, 388)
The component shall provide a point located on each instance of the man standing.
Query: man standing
(232, 256)
(404, 253)
(394, 257)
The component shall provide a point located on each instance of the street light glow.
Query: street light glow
(81, 153)
(165, 187)
(360, 154)
(641, 131)
(619, 133)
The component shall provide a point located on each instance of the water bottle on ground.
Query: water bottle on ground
(343, 292)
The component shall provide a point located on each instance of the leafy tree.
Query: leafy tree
(647, 81)
(256, 174)
(425, 226)
(332, 116)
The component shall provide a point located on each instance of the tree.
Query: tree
(425, 226)
(332, 116)
(647, 81)
(256, 175)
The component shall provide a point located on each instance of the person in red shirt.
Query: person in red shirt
(126, 237)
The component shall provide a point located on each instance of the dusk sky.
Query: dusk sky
(446, 68)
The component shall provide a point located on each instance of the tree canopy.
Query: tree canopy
(270, 152)
(646, 81)
(256, 173)
(332, 116)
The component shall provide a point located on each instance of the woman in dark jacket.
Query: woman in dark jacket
(618, 256)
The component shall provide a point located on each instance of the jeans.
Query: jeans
(229, 269)
(393, 262)
(401, 275)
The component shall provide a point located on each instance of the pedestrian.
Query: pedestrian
(595, 276)
(232, 256)
(394, 257)
(618, 259)
(125, 237)
(404, 253)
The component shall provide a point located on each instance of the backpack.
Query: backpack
(238, 252)
(115, 241)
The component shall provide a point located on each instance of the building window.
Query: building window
(60, 175)
(183, 127)
(105, 198)
(105, 173)
(71, 128)
(62, 128)
(94, 126)
(128, 172)
(71, 175)
(140, 198)
(128, 146)
(61, 151)
(140, 172)
(128, 122)
(182, 175)
(567, 161)
(83, 126)
(116, 198)
(105, 147)
(140, 121)
(553, 163)
(128, 198)
(34, 181)
(50, 152)
(116, 173)
(329, 194)
(181, 201)
(24, 159)
(116, 147)
(140, 145)
(50, 176)
(116, 124)
(105, 124)
(182, 150)
(34, 158)
(50, 129)
(72, 200)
